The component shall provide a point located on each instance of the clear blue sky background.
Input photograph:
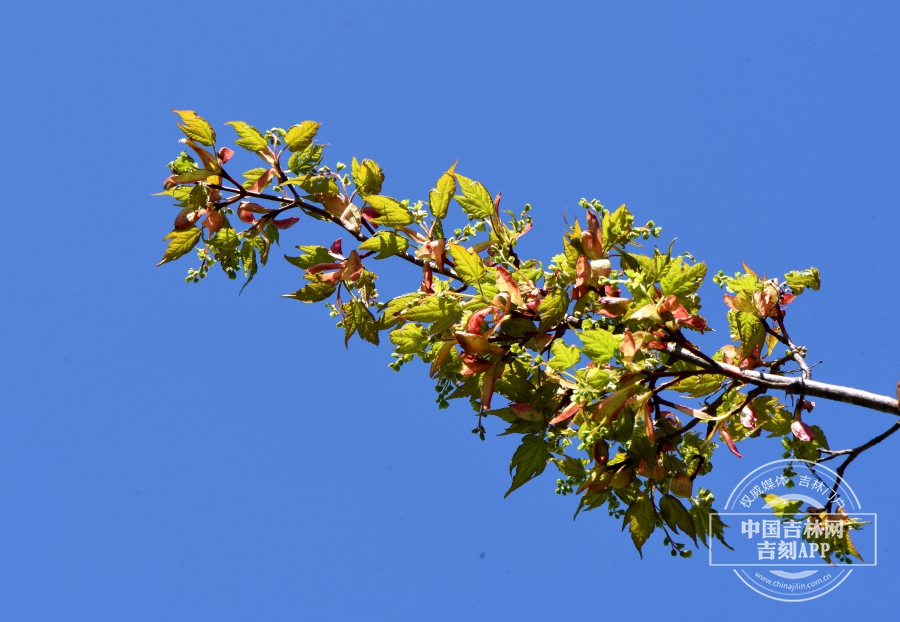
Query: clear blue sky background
(175, 452)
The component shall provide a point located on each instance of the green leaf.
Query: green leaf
(552, 309)
(773, 416)
(681, 279)
(196, 128)
(615, 225)
(529, 461)
(299, 137)
(809, 450)
(386, 243)
(600, 345)
(705, 516)
(798, 280)
(305, 162)
(410, 339)
(311, 256)
(316, 291)
(253, 175)
(390, 212)
(475, 200)
(441, 312)
(469, 265)
(367, 176)
(192, 176)
(564, 356)
(182, 164)
(677, 517)
(640, 520)
(313, 184)
(250, 138)
(748, 328)
(180, 243)
(439, 197)
(699, 386)
(358, 318)
(781, 507)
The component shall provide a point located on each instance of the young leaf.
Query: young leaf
(180, 243)
(410, 339)
(299, 137)
(311, 256)
(469, 265)
(529, 461)
(196, 128)
(439, 197)
(367, 176)
(475, 201)
(316, 291)
(552, 309)
(386, 243)
(681, 280)
(600, 345)
(677, 517)
(640, 520)
(564, 357)
(390, 212)
(250, 138)
(798, 280)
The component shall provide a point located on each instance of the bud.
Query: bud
(225, 154)
(802, 431)
(748, 417)
(681, 486)
(601, 452)
(600, 268)
(184, 219)
(525, 411)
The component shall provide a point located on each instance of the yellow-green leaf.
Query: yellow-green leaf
(640, 520)
(469, 265)
(250, 138)
(475, 199)
(390, 212)
(180, 243)
(600, 345)
(301, 136)
(386, 243)
(439, 197)
(192, 176)
(196, 128)
(367, 176)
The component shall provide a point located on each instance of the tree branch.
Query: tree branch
(796, 386)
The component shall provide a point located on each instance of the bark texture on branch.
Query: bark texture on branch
(796, 386)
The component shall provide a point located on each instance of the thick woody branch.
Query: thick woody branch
(796, 386)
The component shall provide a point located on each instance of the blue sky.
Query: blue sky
(178, 452)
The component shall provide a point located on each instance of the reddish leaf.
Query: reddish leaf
(263, 181)
(225, 154)
(725, 436)
(567, 413)
(285, 223)
(475, 344)
(476, 365)
(505, 283)
(473, 325)
(525, 411)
